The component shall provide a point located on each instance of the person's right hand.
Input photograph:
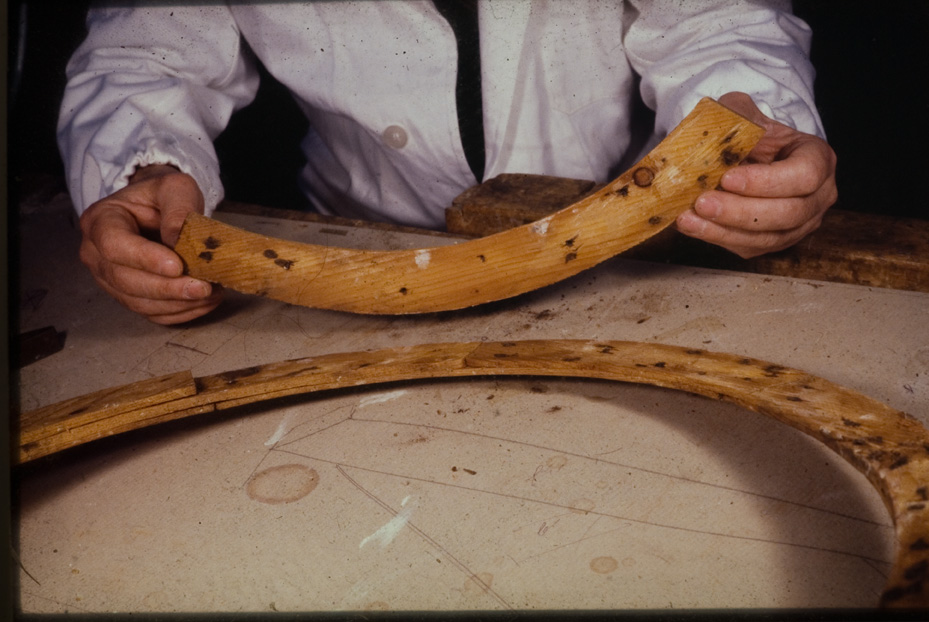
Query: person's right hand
(121, 247)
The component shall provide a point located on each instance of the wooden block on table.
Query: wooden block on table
(864, 249)
(512, 200)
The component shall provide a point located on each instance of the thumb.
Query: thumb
(178, 195)
(743, 104)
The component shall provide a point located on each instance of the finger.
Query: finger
(114, 234)
(805, 167)
(175, 314)
(165, 311)
(123, 281)
(744, 243)
(181, 317)
(743, 104)
(142, 284)
(754, 214)
(178, 196)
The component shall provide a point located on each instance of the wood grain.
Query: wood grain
(888, 446)
(849, 247)
(637, 205)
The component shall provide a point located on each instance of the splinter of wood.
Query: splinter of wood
(890, 447)
(637, 205)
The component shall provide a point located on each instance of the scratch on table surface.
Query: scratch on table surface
(341, 467)
(392, 528)
(648, 523)
(380, 398)
(804, 308)
(185, 347)
(352, 416)
(624, 465)
(282, 429)
(422, 534)
(277, 444)
(67, 607)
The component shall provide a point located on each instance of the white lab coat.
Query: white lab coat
(156, 84)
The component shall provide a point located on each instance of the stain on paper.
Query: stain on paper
(282, 484)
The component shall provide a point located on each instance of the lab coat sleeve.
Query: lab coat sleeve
(688, 49)
(151, 85)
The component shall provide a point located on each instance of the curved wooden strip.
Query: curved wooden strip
(890, 447)
(635, 206)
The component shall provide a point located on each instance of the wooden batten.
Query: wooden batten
(890, 447)
(632, 208)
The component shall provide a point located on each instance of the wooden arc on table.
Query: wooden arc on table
(635, 206)
(890, 447)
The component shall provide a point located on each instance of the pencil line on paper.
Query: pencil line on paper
(594, 512)
(633, 467)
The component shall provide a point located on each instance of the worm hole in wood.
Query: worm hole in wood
(730, 157)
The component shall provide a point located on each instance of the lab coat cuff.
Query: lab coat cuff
(207, 179)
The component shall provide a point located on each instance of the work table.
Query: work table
(458, 494)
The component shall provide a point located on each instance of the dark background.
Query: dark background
(872, 60)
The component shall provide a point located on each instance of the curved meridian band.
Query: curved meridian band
(638, 204)
(890, 447)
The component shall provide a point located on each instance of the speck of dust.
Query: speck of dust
(423, 258)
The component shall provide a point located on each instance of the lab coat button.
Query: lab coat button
(395, 136)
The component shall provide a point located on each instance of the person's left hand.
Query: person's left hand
(775, 198)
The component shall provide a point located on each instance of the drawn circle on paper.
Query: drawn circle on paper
(282, 484)
(603, 565)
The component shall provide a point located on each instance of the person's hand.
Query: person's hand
(776, 197)
(126, 245)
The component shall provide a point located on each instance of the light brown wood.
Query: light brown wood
(637, 205)
(849, 247)
(890, 447)
(93, 408)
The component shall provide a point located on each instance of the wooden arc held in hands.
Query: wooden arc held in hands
(890, 447)
(637, 205)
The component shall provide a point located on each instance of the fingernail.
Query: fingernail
(169, 267)
(734, 181)
(194, 290)
(708, 207)
(689, 222)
